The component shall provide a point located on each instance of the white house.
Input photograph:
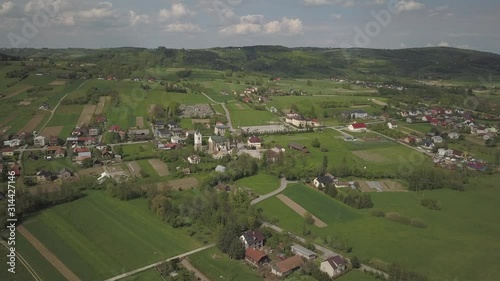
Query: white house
(39, 141)
(454, 136)
(437, 139)
(252, 239)
(333, 266)
(322, 181)
(12, 142)
(392, 125)
(357, 127)
(220, 169)
(194, 159)
(254, 142)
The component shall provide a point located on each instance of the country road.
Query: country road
(228, 114)
(59, 103)
(144, 268)
(283, 184)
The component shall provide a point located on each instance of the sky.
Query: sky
(191, 24)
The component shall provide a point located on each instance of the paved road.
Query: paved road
(133, 272)
(59, 103)
(283, 184)
(228, 114)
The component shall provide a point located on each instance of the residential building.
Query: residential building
(220, 129)
(43, 176)
(303, 252)
(356, 114)
(333, 266)
(194, 159)
(65, 173)
(357, 127)
(392, 125)
(12, 143)
(299, 147)
(94, 131)
(159, 124)
(83, 153)
(220, 169)
(39, 141)
(253, 239)
(114, 129)
(8, 151)
(285, 267)
(322, 181)
(255, 257)
(254, 142)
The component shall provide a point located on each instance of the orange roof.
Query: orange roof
(254, 255)
(290, 264)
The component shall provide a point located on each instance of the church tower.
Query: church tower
(197, 141)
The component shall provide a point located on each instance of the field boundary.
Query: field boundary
(299, 210)
(51, 258)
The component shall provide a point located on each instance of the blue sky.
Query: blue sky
(209, 23)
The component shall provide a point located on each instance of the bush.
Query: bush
(393, 216)
(377, 213)
(416, 222)
(430, 204)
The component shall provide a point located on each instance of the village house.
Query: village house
(53, 140)
(218, 145)
(392, 125)
(139, 134)
(333, 266)
(356, 114)
(220, 129)
(167, 146)
(8, 151)
(357, 127)
(285, 267)
(252, 239)
(82, 153)
(194, 159)
(255, 257)
(322, 181)
(87, 141)
(39, 141)
(159, 124)
(12, 143)
(56, 152)
(254, 142)
(303, 252)
(220, 169)
(65, 174)
(299, 147)
(43, 176)
(177, 139)
(94, 132)
(454, 136)
(114, 129)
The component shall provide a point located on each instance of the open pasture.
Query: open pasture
(33, 123)
(58, 82)
(135, 236)
(371, 156)
(299, 210)
(260, 184)
(51, 131)
(244, 115)
(67, 116)
(100, 106)
(86, 115)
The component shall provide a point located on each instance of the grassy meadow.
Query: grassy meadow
(134, 235)
(260, 184)
(463, 227)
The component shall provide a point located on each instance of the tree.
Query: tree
(119, 150)
(315, 143)
(88, 163)
(325, 164)
(355, 262)
(309, 83)
(308, 218)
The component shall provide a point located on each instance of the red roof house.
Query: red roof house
(255, 257)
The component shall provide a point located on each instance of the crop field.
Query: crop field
(51, 131)
(243, 115)
(160, 167)
(67, 116)
(146, 167)
(135, 236)
(319, 87)
(299, 210)
(21, 271)
(260, 184)
(217, 266)
(134, 168)
(148, 275)
(86, 115)
(368, 234)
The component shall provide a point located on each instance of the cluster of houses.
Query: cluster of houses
(369, 84)
(453, 159)
(44, 176)
(258, 255)
(329, 179)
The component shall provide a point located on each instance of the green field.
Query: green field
(134, 236)
(449, 230)
(148, 275)
(132, 151)
(67, 116)
(21, 272)
(147, 168)
(218, 266)
(54, 165)
(244, 115)
(260, 184)
(356, 275)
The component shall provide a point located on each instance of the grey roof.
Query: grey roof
(218, 139)
(303, 250)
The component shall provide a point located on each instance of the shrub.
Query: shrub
(377, 213)
(404, 220)
(393, 216)
(430, 204)
(416, 222)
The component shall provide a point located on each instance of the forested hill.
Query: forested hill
(435, 62)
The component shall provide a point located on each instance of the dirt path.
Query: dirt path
(197, 273)
(51, 258)
(301, 211)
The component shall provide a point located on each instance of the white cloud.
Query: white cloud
(177, 11)
(443, 44)
(136, 19)
(403, 45)
(253, 24)
(408, 5)
(343, 3)
(64, 19)
(103, 10)
(336, 16)
(6, 7)
(182, 27)
(286, 26)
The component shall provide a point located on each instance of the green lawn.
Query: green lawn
(54, 165)
(131, 151)
(356, 275)
(98, 237)
(20, 271)
(244, 115)
(221, 267)
(463, 227)
(147, 168)
(260, 184)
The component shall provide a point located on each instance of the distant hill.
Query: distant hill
(435, 62)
